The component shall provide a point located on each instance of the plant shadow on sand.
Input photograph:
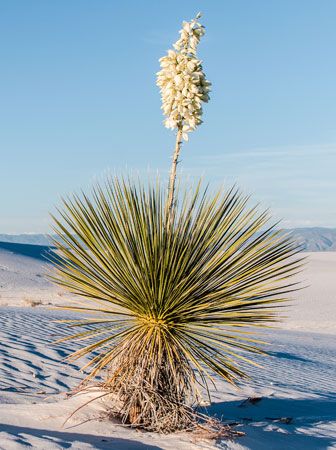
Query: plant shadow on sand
(312, 422)
(24, 437)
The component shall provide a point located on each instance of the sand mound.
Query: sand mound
(292, 403)
(292, 399)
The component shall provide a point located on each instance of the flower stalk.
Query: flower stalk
(183, 87)
(172, 178)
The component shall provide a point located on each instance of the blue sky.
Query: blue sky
(78, 98)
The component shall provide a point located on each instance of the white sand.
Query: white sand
(297, 380)
(314, 307)
(23, 280)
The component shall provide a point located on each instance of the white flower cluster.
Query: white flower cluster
(182, 81)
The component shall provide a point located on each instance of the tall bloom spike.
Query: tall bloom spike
(182, 82)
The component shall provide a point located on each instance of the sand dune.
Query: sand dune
(23, 282)
(314, 307)
(296, 383)
(297, 402)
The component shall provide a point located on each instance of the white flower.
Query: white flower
(182, 81)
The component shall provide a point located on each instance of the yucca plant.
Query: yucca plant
(170, 303)
(174, 282)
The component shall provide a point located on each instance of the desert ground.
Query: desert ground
(289, 403)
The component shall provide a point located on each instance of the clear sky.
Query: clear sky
(78, 98)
